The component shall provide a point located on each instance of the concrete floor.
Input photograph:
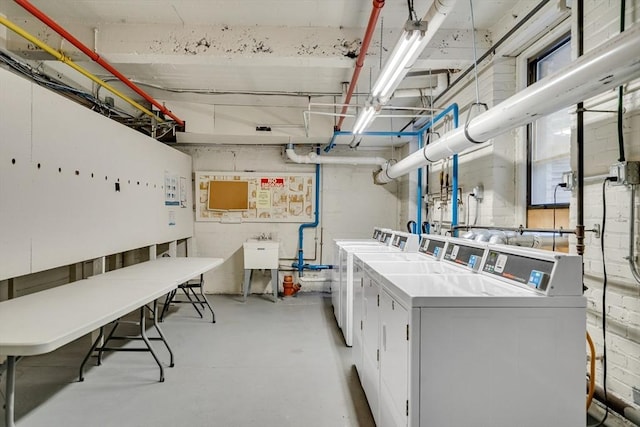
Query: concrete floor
(261, 364)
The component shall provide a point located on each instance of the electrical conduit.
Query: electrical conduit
(97, 58)
(62, 58)
(371, 26)
(611, 64)
(300, 265)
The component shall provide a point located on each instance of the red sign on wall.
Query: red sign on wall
(266, 183)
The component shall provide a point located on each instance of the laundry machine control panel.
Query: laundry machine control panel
(465, 253)
(386, 237)
(432, 246)
(405, 242)
(549, 273)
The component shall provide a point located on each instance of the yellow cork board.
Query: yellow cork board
(228, 195)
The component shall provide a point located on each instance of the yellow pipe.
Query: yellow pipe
(62, 58)
(592, 370)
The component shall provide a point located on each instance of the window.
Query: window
(549, 137)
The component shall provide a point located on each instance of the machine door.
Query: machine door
(358, 301)
(369, 374)
(394, 362)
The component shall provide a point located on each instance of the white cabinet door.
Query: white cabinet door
(358, 301)
(369, 374)
(394, 384)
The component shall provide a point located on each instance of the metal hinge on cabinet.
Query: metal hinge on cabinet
(378, 300)
(361, 325)
(407, 332)
(378, 355)
(407, 408)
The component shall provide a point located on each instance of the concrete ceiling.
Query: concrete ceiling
(298, 49)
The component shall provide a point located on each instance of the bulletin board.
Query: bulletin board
(227, 195)
(271, 197)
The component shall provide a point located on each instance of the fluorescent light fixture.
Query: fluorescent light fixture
(404, 54)
(364, 119)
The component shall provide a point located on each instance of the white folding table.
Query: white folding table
(44, 321)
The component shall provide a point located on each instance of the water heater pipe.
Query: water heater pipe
(94, 56)
(314, 158)
(611, 64)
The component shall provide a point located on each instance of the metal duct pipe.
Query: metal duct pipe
(368, 34)
(613, 63)
(314, 158)
(93, 55)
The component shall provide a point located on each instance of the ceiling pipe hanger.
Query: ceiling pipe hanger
(94, 56)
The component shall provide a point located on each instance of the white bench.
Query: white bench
(44, 321)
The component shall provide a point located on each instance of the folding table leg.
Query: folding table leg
(143, 334)
(205, 301)
(91, 350)
(11, 392)
(164, 340)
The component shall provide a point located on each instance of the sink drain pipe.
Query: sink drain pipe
(300, 265)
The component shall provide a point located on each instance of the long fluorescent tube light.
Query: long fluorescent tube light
(404, 54)
(364, 119)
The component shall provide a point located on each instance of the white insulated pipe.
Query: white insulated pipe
(613, 63)
(314, 158)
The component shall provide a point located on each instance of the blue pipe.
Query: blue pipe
(376, 133)
(332, 143)
(453, 109)
(300, 265)
(454, 201)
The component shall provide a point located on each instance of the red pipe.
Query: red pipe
(373, 19)
(97, 58)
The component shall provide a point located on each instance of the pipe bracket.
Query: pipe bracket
(466, 123)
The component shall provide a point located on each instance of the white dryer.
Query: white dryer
(380, 237)
(372, 268)
(501, 348)
(399, 242)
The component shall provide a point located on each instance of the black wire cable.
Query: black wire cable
(604, 301)
(621, 94)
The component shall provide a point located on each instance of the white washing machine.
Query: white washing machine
(501, 348)
(381, 238)
(375, 266)
(399, 242)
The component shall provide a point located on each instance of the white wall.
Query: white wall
(61, 163)
(351, 205)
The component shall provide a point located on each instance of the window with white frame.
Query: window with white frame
(550, 136)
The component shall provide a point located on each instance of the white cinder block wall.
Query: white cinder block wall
(350, 206)
(622, 305)
(501, 167)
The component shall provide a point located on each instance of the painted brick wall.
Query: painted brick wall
(601, 150)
